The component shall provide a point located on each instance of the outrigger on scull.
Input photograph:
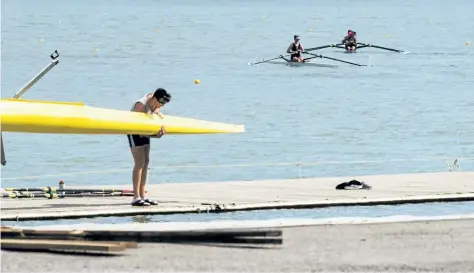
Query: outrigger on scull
(351, 45)
(304, 62)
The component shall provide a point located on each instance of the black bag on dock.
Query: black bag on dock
(353, 185)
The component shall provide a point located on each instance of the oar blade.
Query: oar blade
(385, 48)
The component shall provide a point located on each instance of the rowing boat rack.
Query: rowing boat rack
(54, 56)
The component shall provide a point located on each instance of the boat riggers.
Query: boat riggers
(359, 46)
(288, 61)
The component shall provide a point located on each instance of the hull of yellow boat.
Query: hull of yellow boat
(30, 116)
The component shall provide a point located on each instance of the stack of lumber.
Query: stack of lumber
(119, 240)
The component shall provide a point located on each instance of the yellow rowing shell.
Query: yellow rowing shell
(30, 116)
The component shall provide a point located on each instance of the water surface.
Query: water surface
(417, 105)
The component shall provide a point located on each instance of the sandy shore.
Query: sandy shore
(441, 246)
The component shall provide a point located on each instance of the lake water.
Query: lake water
(405, 106)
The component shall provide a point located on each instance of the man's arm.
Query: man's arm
(160, 133)
(139, 107)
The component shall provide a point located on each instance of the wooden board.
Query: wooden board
(248, 236)
(34, 244)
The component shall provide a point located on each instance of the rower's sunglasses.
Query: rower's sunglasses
(163, 101)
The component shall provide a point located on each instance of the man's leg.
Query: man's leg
(144, 176)
(139, 161)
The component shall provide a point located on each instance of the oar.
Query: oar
(264, 61)
(29, 195)
(321, 56)
(321, 47)
(56, 195)
(56, 189)
(381, 47)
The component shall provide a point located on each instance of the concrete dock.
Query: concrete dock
(251, 195)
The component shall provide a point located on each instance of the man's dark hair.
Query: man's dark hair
(162, 95)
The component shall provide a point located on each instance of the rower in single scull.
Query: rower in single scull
(350, 41)
(295, 50)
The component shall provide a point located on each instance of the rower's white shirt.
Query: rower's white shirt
(142, 100)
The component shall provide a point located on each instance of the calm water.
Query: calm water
(416, 105)
(433, 209)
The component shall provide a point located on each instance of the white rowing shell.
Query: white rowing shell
(302, 64)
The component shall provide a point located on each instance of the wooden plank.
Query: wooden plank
(29, 244)
(250, 236)
(268, 236)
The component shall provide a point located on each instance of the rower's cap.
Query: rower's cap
(162, 95)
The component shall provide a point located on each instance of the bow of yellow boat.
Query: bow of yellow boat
(33, 116)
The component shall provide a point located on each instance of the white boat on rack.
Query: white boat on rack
(301, 64)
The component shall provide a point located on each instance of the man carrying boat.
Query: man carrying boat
(295, 50)
(350, 41)
(151, 103)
